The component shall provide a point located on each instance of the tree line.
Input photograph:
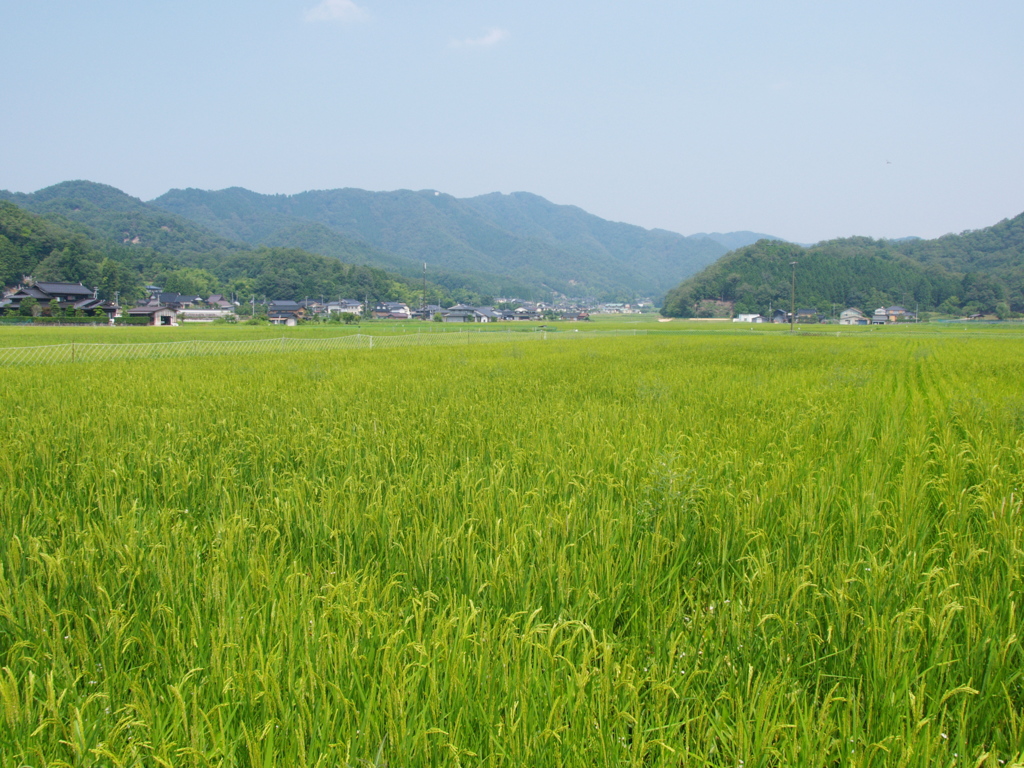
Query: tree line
(857, 272)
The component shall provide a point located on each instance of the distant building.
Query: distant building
(897, 313)
(219, 302)
(395, 310)
(345, 305)
(157, 314)
(282, 312)
(460, 313)
(852, 316)
(486, 315)
(69, 296)
(427, 311)
(204, 315)
(177, 300)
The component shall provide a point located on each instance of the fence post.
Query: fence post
(72, 351)
(282, 343)
(371, 341)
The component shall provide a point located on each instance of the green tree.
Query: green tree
(950, 306)
(28, 307)
(71, 264)
(115, 279)
(190, 281)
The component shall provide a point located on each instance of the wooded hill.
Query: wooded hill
(975, 271)
(102, 238)
(495, 245)
(519, 237)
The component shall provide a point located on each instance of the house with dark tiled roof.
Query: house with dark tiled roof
(69, 296)
(176, 300)
(395, 310)
(460, 313)
(218, 301)
(486, 315)
(283, 312)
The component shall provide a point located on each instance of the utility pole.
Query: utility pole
(426, 315)
(792, 300)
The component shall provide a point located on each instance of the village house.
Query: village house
(394, 310)
(897, 314)
(69, 296)
(486, 315)
(852, 316)
(460, 313)
(217, 301)
(351, 306)
(427, 311)
(312, 307)
(283, 312)
(176, 300)
(157, 314)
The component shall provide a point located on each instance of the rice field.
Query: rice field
(654, 550)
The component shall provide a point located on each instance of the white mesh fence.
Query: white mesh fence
(92, 353)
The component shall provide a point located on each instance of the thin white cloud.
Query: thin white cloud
(335, 10)
(493, 37)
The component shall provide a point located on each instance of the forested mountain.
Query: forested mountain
(119, 218)
(995, 253)
(109, 213)
(54, 246)
(519, 237)
(977, 271)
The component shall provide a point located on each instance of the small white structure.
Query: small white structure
(157, 315)
(747, 318)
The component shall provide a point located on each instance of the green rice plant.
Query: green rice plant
(652, 550)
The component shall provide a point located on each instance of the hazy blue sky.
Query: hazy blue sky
(803, 119)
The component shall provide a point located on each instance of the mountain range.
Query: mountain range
(478, 248)
(520, 236)
(516, 244)
(976, 271)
